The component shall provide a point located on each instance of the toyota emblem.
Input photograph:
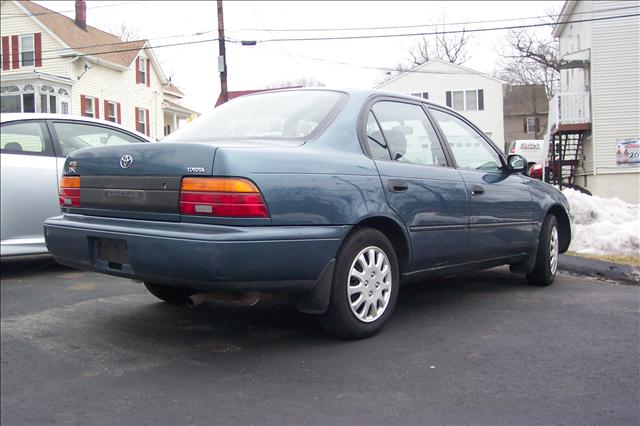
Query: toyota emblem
(126, 161)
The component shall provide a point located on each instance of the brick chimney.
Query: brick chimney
(81, 14)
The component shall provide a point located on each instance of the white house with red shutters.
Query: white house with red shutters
(52, 63)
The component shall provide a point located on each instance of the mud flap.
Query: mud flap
(527, 265)
(316, 301)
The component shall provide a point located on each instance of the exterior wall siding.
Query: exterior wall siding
(613, 81)
(13, 24)
(576, 37)
(120, 86)
(444, 77)
(514, 128)
(615, 85)
(96, 81)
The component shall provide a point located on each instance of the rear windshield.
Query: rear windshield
(274, 115)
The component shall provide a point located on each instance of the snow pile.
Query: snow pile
(603, 226)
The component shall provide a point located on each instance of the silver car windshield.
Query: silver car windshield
(272, 115)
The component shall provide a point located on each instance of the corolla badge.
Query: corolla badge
(126, 161)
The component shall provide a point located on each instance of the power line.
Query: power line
(374, 67)
(428, 25)
(349, 37)
(117, 43)
(374, 36)
(473, 30)
(185, 43)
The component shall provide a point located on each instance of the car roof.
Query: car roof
(19, 116)
(355, 92)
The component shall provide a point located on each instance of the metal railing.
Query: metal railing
(569, 108)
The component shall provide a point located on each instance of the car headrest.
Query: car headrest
(397, 142)
(13, 146)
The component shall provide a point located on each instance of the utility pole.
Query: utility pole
(222, 58)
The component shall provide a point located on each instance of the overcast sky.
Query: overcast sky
(194, 67)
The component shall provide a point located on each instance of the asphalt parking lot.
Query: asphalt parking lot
(82, 348)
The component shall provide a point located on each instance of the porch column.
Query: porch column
(174, 125)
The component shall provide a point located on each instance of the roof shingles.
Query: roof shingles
(93, 41)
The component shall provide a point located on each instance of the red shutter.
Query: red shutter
(524, 125)
(137, 68)
(96, 108)
(135, 120)
(148, 126)
(106, 109)
(83, 105)
(15, 52)
(37, 43)
(118, 113)
(5, 53)
(148, 73)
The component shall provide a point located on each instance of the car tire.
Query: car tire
(365, 286)
(546, 266)
(170, 294)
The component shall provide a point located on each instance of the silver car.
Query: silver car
(33, 148)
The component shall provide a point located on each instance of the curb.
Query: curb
(626, 274)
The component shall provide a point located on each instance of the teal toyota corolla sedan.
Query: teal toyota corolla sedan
(332, 197)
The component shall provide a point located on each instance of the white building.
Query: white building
(599, 97)
(52, 63)
(475, 95)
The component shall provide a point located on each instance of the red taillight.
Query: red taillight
(69, 193)
(535, 171)
(221, 197)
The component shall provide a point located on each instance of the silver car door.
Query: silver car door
(29, 188)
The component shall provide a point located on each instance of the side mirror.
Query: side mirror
(517, 163)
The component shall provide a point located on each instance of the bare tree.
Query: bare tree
(125, 32)
(448, 47)
(297, 82)
(529, 58)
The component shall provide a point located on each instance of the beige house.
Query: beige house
(52, 63)
(597, 110)
(526, 108)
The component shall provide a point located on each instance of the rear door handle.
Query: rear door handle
(477, 190)
(397, 185)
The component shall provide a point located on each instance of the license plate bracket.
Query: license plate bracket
(113, 251)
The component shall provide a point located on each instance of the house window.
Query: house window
(141, 120)
(466, 100)
(48, 100)
(27, 51)
(64, 101)
(531, 125)
(110, 111)
(12, 99)
(142, 70)
(88, 107)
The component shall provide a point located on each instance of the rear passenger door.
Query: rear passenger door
(501, 219)
(419, 183)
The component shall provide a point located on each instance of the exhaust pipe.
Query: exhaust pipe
(240, 299)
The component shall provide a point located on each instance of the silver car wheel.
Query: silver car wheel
(553, 250)
(369, 284)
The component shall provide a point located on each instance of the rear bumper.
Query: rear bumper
(206, 257)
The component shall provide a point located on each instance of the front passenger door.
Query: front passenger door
(29, 186)
(501, 219)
